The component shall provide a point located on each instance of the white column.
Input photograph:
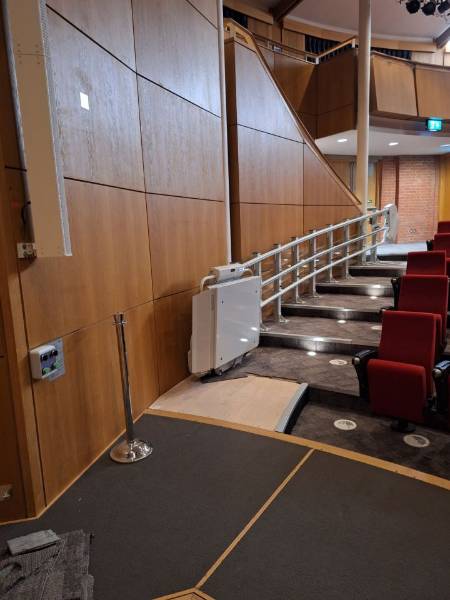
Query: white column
(223, 106)
(362, 158)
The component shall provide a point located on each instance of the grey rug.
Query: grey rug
(59, 572)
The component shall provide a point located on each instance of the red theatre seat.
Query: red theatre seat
(398, 378)
(426, 263)
(441, 241)
(427, 294)
(443, 227)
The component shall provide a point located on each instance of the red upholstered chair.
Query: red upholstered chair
(441, 375)
(441, 241)
(426, 263)
(397, 379)
(427, 294)
(443, 227)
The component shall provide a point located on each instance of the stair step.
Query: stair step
(377, 270)
(350, 307)
(322, 335)
(362, 286)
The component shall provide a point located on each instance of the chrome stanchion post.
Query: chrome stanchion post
(330, 244)
(131, 449)
(312, 264)
(346, 251)
(296, 272)
(277, 267)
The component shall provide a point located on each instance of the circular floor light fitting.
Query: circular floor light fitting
(376, 328)
(345, 424)
(338, 362)
(416, 441)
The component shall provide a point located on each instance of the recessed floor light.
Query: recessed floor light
(393, 143)
(373, 297)
(342, 322)
(311, 353)
(338, 362)
(416, 441)
(342, 140)
(345, 424)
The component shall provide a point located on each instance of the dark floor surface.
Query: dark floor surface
(161, 523)
(342, 530)
(374, 437)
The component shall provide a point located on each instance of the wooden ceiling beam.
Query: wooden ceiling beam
(283, 8)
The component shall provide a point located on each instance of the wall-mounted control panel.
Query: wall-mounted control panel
(47, 362)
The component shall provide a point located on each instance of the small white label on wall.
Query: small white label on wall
(84, 100)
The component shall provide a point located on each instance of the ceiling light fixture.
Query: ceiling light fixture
(429, 8)
(413, 6)
(342, 140)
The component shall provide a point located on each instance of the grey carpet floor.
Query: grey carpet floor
(374, 437)
(342, 530)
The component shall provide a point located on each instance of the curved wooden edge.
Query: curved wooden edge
(252, 44)
(322, 447)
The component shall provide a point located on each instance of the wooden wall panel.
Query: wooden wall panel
(336, 121)
(80, 413)
(182, 247)
(10, 471)
(269, 57)
(182, 146)
(320, 186)
(337, 82)
(256, 227)
(258, 102)
(433, 92)
(101, 144)
(174, 328)
(208, 8)
(109, 22)
(393, 88)
(298, 80)
(8, 130)
(317, 217)
(186, 46)
(293, 39)
(109, 270)
(270, 169)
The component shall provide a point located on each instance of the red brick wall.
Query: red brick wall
(418, 195)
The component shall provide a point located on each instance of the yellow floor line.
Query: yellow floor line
(253, 520)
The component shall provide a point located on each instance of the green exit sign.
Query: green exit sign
(434, 124)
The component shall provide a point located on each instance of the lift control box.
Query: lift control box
(47, 361)
(225, 324)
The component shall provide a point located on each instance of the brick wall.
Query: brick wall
(418, 195)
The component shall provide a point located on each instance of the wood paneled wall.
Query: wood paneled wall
(145, 191)
(392, 87)
(281, 186)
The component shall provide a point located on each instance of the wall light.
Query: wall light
(393, 143)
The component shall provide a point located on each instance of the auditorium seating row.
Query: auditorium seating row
(406, 378)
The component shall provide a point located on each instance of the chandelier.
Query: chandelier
(429, 7)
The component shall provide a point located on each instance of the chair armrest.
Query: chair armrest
(360, 362)
(396, 281)
(429, 244)
(441, 374)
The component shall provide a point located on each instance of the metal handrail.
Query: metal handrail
(388, 213)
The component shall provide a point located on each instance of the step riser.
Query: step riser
(332, 313)
(377, 271)
(357, 289)
(392, 257)
(308, 343)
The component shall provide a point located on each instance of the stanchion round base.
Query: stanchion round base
(130, 452)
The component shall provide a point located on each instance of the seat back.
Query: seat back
(425, 293)
(441, 241)
(409, 337)
(426, 263)
(443, 227)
